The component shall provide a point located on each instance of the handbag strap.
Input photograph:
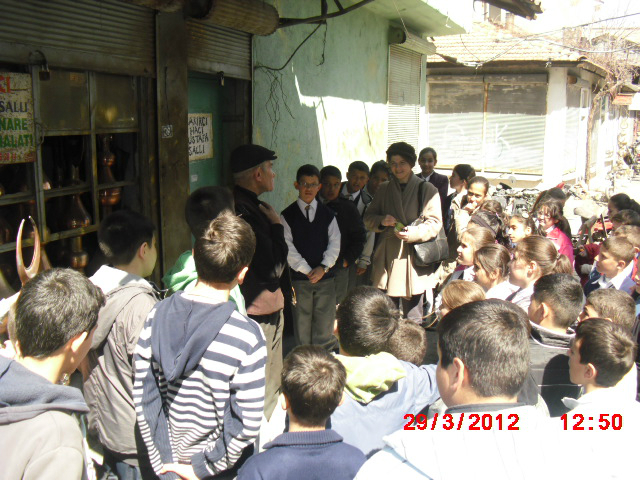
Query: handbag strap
(421, 198)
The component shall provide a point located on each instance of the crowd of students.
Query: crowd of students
(536, 366)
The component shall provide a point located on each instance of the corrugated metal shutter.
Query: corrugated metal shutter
(455, 122)
(572, 129)
(104, 35)
(508, 138)
(405, 70)
(214, 49)
(514, 130)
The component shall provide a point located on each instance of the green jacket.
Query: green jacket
(183, 276)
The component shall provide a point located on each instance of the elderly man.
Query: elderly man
(253, 175)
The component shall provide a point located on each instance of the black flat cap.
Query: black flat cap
(248, 156)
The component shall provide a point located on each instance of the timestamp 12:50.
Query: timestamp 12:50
(605, 421)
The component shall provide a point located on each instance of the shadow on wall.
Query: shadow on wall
(328, 104)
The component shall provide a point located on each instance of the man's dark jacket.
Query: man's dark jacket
(550, 368)
(352, 232)
(441, 182)
(270, 258)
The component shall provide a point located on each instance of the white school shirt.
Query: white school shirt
(501, 291)
(330, 255)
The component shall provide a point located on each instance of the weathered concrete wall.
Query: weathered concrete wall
(554, 135)
(329, 113)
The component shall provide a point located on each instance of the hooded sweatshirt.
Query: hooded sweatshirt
(381, 390)
(109, 387)
(199, 383)
(39, 437)
(183, 276)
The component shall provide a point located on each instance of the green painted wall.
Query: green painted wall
(330, 113)
(204, 97)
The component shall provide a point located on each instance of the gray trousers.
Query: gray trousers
(315, 312)
(271, 325)
(344, 281)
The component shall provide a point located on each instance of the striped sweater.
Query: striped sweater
(211, 403)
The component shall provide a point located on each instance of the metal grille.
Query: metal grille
(102, 35)
(405, 69)
(214, 49)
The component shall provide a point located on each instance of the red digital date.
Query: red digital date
(473, 421)
(577, 421)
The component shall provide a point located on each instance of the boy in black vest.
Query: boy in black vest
(352, 232)
(313, 237)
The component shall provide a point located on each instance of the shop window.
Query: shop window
(86, 166)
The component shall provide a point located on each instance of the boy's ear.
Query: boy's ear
(341, 399)
(76, 343)
(547, 312)
(621, 265)
(242, 274)
(296, 185)
(284, 401)
(143, 249)
(591, 372)
(460, 375)
(335, 328)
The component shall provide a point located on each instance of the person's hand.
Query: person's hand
(345, 264)
(403, 234)
(471, 207)
(389, 221)
(316, 274)
(360, 271)
(270, 212)
(185, 471)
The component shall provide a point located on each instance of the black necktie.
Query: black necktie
(307, 210)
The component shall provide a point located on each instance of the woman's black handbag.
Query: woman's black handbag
(432, 251)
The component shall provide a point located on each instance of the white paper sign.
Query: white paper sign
(200, 136)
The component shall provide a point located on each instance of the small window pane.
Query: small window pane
(64, 101)
(115, 102)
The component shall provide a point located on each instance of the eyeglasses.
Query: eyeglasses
(309, 185)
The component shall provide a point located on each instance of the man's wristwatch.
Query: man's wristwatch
(326, 269)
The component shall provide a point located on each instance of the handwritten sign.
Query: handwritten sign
(200, 136)
(17, 144)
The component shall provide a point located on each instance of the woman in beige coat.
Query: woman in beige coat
(398, 201)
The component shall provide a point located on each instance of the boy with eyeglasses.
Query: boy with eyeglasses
(313, 237)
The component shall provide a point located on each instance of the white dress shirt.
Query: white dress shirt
(330, 255)
(360, 205)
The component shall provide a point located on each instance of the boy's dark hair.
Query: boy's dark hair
(403, 149)
(225, 248)
(367, 319)
(121, 234)
(631, 233)
(616, 305)
(205, 204)
(564, 296)
(491, 338)
(608, 347)
(620, 249)
(53, 307)
(330, 171)
(380, 165)
(313, 381)
(307, 170)
(409, 342)
(627, 217)
(360, 166)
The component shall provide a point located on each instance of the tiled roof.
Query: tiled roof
(488, 43)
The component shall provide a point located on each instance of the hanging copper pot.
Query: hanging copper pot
(106, 159)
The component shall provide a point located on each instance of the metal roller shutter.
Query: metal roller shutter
(104, 35)
(214, 49)
(405, 71)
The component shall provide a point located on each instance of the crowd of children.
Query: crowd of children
(108, 377)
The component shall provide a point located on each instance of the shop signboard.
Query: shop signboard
(200, 136)
(17, 135)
